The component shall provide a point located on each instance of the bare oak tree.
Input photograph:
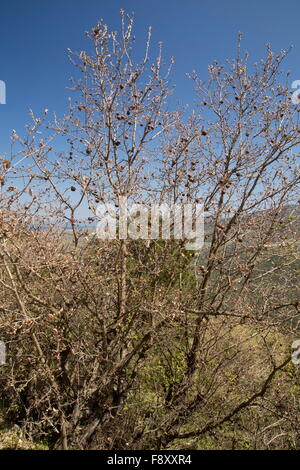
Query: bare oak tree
(119, 344)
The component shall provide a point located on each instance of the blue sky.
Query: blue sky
(34, 36)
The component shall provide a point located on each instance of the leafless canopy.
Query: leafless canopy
(119, 344)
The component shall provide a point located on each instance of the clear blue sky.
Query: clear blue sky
(34, 36)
